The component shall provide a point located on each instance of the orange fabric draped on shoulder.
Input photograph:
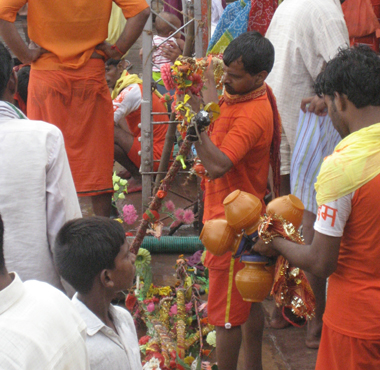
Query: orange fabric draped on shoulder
(79, 103)
(70, 29)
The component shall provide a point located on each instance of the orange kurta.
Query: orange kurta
(244, 133)
(68, 29)
(67, 88)
(352, 308)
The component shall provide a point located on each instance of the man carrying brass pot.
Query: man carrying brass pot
(243, 142)
(346, 246)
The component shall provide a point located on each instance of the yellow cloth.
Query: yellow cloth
(116, 24)
(354, 162)
(124, 81)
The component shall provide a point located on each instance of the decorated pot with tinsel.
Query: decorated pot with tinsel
(289, 207)
(255, 280)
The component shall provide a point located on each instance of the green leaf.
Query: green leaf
(199, 364)
(182, 363)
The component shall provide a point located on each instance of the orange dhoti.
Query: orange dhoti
(226, 306)
(78, 102)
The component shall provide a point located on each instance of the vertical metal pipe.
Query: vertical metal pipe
(146, 109)
(201, 15)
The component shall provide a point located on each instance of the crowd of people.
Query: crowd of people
(299, 114)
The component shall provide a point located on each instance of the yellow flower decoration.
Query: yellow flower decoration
(188, 360)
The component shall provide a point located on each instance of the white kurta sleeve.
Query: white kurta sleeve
(126, 102)
(61, 197)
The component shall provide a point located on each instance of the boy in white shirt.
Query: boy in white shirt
(93, 255)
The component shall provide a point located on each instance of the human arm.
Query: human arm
(213, 159)
(12, 38)
(130, 34)
(209, 91)
(320, 258)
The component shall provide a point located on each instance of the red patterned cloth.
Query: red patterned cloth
(261, 14)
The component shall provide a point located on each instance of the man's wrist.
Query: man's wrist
(115, 47)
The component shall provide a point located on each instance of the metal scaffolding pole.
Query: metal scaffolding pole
(146, 111)
(201, 23)
(202, 12)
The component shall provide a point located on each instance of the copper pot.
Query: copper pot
(289, 207)
(254, 282)
(242, 211)
(218, 237)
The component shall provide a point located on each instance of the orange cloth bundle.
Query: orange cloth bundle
(291, 288)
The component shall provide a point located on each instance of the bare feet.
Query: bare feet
(314, 331)
(277, 321)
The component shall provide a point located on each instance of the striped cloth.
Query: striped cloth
(316, 138)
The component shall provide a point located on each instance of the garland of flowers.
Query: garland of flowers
(185, 75)
(181, 326)
(290, 288)
(175, 317)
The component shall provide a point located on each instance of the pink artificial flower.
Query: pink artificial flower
(178, 214)
(129, 214)
(188, 306)
(173, 310)
(188, 217)
(150, 307)
(166, 75)
(169, 205)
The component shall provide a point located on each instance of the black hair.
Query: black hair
(256, 52)
(86, 246)
(23, 82)
(113, 62)
(354, 72)
(6, 65)
(2, 260)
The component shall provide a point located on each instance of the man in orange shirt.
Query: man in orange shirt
(237, 155)
(127, 97)
(346, 240)
(67, 85)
